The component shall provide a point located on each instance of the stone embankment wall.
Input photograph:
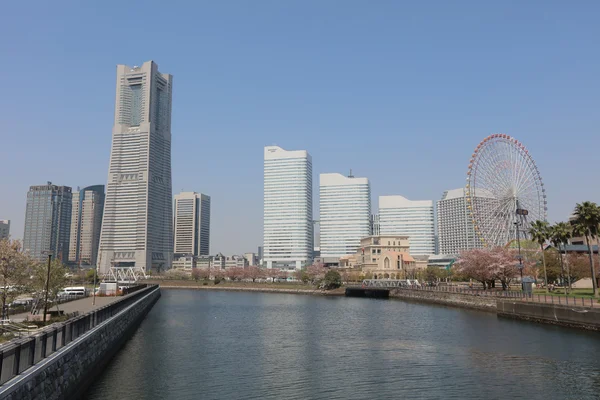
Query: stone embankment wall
(62, 361)
(576, 317)
(446, 298)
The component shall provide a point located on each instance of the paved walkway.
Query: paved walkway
(82, 305)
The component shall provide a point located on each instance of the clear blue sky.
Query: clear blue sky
(399, 91)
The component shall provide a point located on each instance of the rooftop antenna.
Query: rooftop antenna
(350, 176)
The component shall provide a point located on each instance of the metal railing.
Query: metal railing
(575, 301)
(20, 354)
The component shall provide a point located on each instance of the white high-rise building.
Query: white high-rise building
(415, 219)
(192, 224)
(288, 219)
(455, 225)
(4, 228)
(86, 221)
(344, 214)
(137, 228)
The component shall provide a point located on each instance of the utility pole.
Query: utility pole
(47, 286)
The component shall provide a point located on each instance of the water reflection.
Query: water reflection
(221, 345)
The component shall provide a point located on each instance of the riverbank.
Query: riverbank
(445, 298)
(252, 287)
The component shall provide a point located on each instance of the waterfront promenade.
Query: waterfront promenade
(82, 306)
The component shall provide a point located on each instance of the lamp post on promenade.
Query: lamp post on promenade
(47, 286)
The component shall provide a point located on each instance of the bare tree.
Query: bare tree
(14, 265)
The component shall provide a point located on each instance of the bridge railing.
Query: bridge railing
(20, 354)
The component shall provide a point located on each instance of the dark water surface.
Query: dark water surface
(228, 345)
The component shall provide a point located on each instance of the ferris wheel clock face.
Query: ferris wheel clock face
(504, 190)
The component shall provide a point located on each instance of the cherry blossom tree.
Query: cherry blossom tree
(200, 273)
(316, 272)
(253, 273)
(272, 273)
(474, 264)
(234, 273)
(488, 265)
(504, 265)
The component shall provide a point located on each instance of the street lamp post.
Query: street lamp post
(47, 287)
(94, 288)
(520, 257)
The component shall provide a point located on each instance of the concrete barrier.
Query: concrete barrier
(63, 359)
(576, 317)
(471, 301)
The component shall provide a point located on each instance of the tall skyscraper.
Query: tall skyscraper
(288, 219)
(137, 228)
(86, 222)
(48, 221)
(192, 224)
(415, 219)
(455, 225)
(4, 228)
(344, 214)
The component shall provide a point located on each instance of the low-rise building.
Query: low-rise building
(384, 257)
(218, 262)
(221, 262)
(441, 261)
(185, 262)
(235, 261)
(204, 262)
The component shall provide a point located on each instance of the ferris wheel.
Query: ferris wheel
(504, 191)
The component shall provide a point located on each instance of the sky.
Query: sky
(400, 92)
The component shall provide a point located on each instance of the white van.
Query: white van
(73, 291)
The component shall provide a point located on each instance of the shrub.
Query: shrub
(332, 280)
(217, 280)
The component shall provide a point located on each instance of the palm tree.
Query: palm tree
(585, 222)
(540, 232)
(560, 233)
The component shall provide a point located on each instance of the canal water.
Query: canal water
(232, 345)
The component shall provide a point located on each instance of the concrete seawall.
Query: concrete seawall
(575, 317)
(62, 361)
(445, 298)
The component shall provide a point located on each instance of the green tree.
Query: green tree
(58, 278)
(332, 280)
(560, 233)
(585, 223)
(302, 276)
(432, 274)
(553, 266)
(89, 275)
(540, 232)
